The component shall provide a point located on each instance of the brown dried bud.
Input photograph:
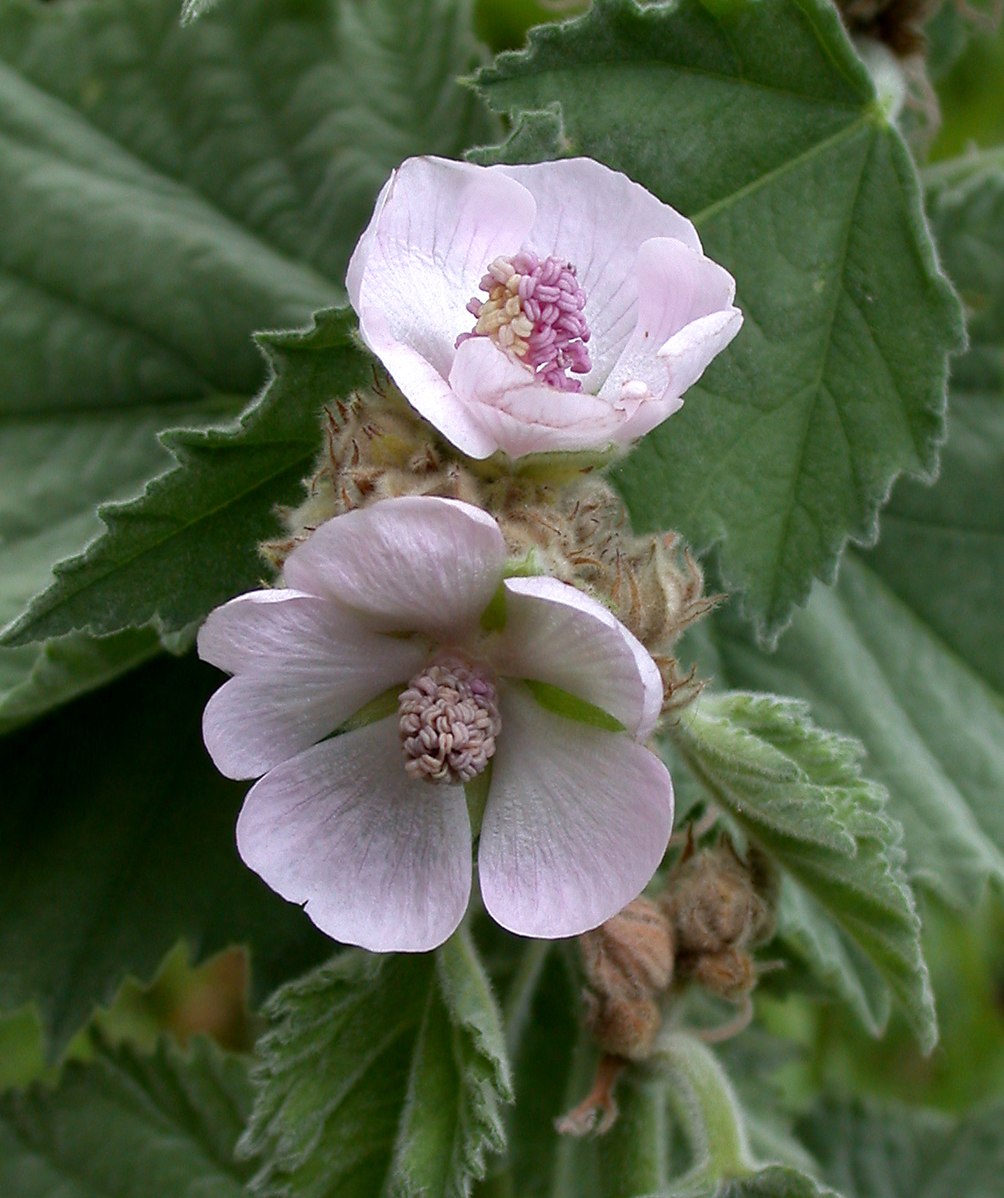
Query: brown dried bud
(729, 974)
(628, 962)
(713, 903)
(630, 954)
(624, 1028)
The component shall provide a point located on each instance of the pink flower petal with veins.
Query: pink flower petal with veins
(369, 828)
(387, 562)
(556, 634)
(342, 830)
(656, 311)
(578, 821)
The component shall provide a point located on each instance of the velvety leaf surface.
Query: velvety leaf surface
(906, 652)
(117, 838)
(799, 792)
(57, 467)
(758, 121)
(190, 541)
(380, 1075)
(164, 192)
(866, 1149)
(129, 1126)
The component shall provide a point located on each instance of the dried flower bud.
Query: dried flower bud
(713, 903)
(628, 962)
(730, 974)
(624, 1028)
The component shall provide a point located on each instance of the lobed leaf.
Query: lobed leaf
(758, 121)
(798, 791)
(906, 651)
(380, 1075)
(190, 541)
(164, 192)
(127, 1126)
(865, 1149)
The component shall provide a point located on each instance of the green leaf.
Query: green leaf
(55, 475)
(798, 791)
(164, 192)
(906, 652)
(129, 1126)
(823, 951)
(758, 121)
(380, 1075)
(191, 540)
(116, 839)
(903, 1152)
(36, 678)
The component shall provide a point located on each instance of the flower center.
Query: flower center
(449, 719)
(534, 311)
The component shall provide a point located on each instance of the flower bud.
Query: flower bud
(713, 903)
(628, 962)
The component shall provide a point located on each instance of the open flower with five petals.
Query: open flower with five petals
(533, 309)
(520, 689)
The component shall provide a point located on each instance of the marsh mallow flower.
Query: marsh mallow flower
(533, 309)
(523, 689)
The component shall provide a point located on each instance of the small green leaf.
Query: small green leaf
(129, 1126)
(866, 1149)
(798, 791)
(116, 839)
(758, 121)
(381, 1075)
(562, 703)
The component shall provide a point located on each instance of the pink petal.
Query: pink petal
(305, 665)
(554, 633)
(417, 563)
(685, 317)
(596, 218)
(520, 416)
(437, 226)
(576, 824)
(377, 859)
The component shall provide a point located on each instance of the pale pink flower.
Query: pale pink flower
(533, 309)
(369, 828)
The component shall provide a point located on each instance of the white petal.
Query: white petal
(596, 218)
(417, 563)
(678, 287)
(554, 633)
(289, 630)
(437, 227)
(520, 416)
(377, 859)
(576, 824)
(305, 665)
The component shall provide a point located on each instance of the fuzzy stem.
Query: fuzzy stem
(633, 1152)
(708, 1106)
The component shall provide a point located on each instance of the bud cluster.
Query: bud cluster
(715, 909)
(560, 515)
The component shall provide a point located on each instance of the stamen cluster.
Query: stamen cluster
(534, 311)
(449, 719)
